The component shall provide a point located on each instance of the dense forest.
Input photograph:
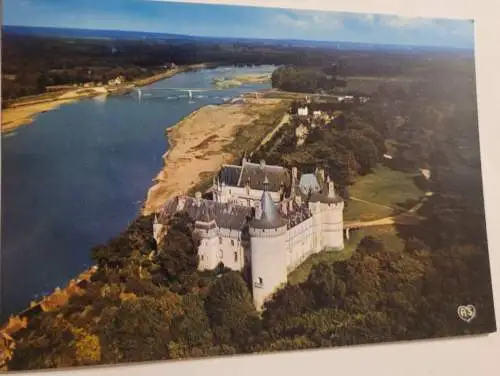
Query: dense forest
(30, 63)
(150, 303)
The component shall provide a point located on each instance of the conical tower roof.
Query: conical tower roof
(327, 194)
(269, 218)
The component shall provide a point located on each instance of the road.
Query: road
(408, 218)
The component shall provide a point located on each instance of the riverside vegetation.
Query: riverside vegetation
(150, 303)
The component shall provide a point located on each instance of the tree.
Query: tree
(87, 347)
(193, 326)
(290, 301)
(49, 343)
(321, 282)
(178, 253)
(230, 309)
(139, 329)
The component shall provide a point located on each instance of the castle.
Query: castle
(262, 220)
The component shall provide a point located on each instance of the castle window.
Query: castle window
(220, 239)
(232, 242)
(201, 257)
(260, 281)
(235, 256)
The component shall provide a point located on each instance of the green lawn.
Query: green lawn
(386, 189)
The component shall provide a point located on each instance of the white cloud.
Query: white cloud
(368, 18)
(400, 22)
(292, 22)
(311, 21)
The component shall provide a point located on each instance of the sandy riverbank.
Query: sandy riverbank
(24, 111)
(199, 146)
(236, 81)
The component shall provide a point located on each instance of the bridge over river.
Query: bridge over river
(190, 93)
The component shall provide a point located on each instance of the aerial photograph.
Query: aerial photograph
(182, 181)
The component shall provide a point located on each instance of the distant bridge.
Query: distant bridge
(189, 91)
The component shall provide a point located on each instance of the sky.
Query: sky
(237, 21)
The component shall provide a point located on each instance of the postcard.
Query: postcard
(182, 181)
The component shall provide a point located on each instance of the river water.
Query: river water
(77, 175)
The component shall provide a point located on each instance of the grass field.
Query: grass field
(384, 192)
(387, 234)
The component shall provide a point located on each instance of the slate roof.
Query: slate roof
(230, 175)
(322, 196)
(270, 217)
(309, 182)
(255, 174)
(206, 212)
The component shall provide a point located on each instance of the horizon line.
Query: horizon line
(465, 48)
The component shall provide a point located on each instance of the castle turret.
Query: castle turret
(268, 244)
(207, 230)
(327, 209)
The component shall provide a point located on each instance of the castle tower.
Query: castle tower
(269, 249)
(332, 208)
(208, 250)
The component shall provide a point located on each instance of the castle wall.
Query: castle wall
(207, 250)
(299, 244)
(232, 250)
(332, 225)
(317, 222)
(269, 262)
(219, 246)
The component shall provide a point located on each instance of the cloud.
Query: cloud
(307, 20)
(400, 22)
(367, 18)
(292, 22)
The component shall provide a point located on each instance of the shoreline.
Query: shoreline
(24, 111)
(210, 152)
(204, 136)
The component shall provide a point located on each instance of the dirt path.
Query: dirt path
(408, 218)
(286, 119)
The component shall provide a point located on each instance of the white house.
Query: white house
(270, 236)
(303, 111)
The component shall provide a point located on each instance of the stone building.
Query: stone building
(269, 236)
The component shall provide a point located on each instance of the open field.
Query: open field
(381, 193)
(369, 85)
(374, 196)
(387, 234)
(208, 138)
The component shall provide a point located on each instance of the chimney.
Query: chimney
(331, 188)
(197, 196)
(180, 203)
(284, 208)
(298, 200)
(294, 181)
(247, 187)
(321, 175)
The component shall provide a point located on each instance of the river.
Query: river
(77, 176)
